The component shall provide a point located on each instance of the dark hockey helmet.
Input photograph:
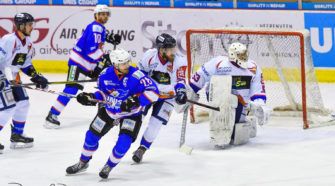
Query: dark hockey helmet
(22, 18)
(165, 41)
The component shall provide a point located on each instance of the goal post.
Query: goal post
(285, 58)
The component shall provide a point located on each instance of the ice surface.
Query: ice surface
(282, 153)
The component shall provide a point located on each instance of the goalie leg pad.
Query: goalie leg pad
(253, 125)
(242, 133)
(222, 123)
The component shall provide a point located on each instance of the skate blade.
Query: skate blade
(49, 125)
(20, 145)
(78, 173)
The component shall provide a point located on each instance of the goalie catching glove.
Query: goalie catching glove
(130, 103)
(85, 98)
(261, 111)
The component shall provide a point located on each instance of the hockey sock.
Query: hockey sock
(18, 127)
(151, 132)
(62, 101)
(90, 146)
(120, 149)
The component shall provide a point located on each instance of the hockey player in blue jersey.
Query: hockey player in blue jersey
(87, 59)
(128, 91)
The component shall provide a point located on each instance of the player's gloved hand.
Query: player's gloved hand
(85, 98)
(104, 63)
(41, 81)
(130, 103)
(181, 96)
(261, 111)
(113, 39)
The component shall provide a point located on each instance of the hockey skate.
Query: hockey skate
(51, 121)
(105, 171)
(1, 148)
(77, 168)
(19, 141)
(138, 154)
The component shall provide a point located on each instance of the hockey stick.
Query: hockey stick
(203, 105)
(182, 147)
(63, 82)
(64, 94)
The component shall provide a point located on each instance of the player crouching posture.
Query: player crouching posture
(128, 91)
(236, 86)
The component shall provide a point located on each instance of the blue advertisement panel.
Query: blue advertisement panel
(24, 2)
(310, 5)
(280, 5)
(142, 3)
(80, 2)
(322, 27)
(203, 4)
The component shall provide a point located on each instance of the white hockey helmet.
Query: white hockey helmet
(238, 54)
(119, 56)
(101, 8)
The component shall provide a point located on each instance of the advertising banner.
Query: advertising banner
(55, 34)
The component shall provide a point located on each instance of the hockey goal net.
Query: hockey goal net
(285, 58)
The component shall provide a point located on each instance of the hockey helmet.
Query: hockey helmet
(238, 54)
(165, 41)
(101, 8)
(22, 18)
(119, 56)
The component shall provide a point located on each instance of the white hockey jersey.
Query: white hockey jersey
(15, 53)
(168, 76)
(247, 83)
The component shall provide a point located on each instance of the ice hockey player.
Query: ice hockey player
(87, 59)
(128, 90)
(247, 91)
(16, 52)
(167, 69)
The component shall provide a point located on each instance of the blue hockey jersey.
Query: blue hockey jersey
(116, 89)
(88, 49)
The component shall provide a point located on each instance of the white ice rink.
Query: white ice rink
(281, 154)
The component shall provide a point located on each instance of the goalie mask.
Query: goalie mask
(120, 59)
(238, 54)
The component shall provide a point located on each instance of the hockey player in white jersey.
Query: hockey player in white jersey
(167, 69)
(247, 89)
(16, 52)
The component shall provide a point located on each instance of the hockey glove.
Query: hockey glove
(261, 111)
(181, 96)
(130, 103)
(113, 39)
(104, 63)
(85, 98)
(41, 81)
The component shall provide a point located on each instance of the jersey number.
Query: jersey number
(97, 38)
(146, 82)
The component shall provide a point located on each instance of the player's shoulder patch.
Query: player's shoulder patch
(97, 28)
(138, 74)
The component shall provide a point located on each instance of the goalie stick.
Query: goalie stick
(203, 105)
